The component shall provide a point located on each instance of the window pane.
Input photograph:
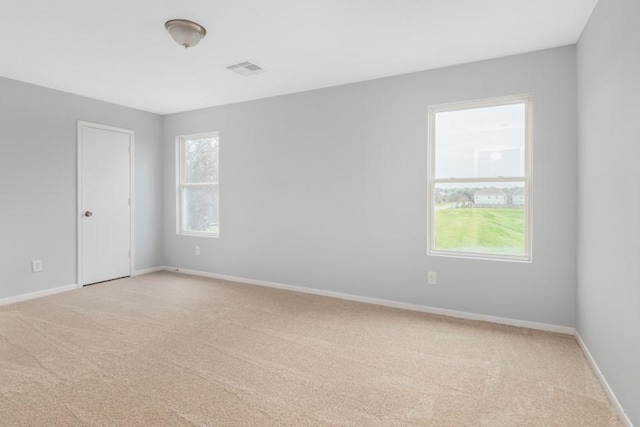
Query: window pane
(201, 160)
(480, 217)
(480, 142)
(201, 209)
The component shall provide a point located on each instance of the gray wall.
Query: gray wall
(38, 141)
(609, 210)
(327, 189)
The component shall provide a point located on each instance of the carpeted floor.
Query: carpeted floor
(170, 349)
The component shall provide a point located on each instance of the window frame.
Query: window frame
(182, 185)
(527, 100)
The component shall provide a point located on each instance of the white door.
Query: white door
(105, 203)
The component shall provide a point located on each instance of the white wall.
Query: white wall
(327, 189)
(38, 141)
(609, 225)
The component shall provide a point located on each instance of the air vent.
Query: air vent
(246, 68)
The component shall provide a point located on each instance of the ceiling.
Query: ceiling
(118, 50)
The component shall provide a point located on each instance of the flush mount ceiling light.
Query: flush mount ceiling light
(185, 33)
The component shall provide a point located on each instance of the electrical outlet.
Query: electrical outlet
(36, 265)
(197, 250)
(431, 277)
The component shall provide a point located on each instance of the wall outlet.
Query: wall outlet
(197, 250)
(431, 277)
(36, 265)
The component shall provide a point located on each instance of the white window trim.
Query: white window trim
(526, 179)
(181, 184)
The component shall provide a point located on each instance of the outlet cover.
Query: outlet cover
(36, 265)
(432, 278)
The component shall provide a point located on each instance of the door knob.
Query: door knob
(88, 214)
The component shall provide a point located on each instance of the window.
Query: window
(480, 179)
(198, 186)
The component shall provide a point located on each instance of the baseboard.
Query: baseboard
(603, 382)
(387, 303)
(149, 270)
(37, 294)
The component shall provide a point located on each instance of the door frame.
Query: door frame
(79, 209)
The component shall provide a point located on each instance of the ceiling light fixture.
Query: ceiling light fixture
(185, 33)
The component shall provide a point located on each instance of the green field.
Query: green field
(487, 230)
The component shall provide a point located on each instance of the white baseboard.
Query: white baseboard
(603, 382)
(37, 294)
(387, 303)
(148, 270)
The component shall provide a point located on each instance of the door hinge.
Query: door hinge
(129, 254)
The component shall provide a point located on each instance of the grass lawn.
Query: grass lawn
(485, 230)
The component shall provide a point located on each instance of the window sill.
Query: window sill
(196, 234)
(481, 256)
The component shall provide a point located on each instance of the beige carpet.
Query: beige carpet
(170, 349)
